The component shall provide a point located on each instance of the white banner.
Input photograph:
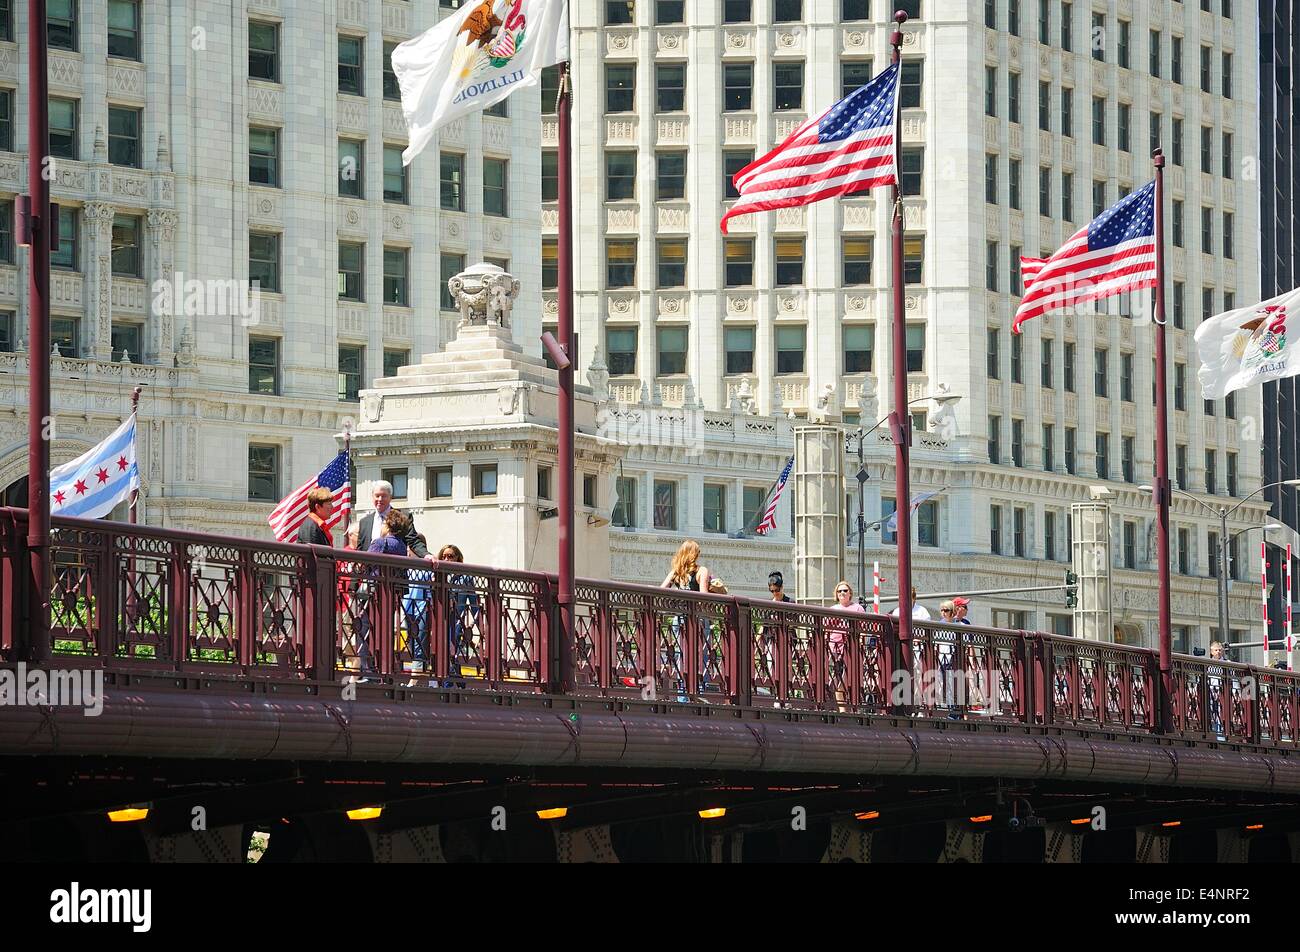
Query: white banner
(474, 58)
(1250, 345)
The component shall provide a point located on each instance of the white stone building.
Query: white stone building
(220, 142)
(1010, 106)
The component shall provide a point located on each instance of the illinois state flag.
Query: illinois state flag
(476, 57)
(1249, 345)
(97, 480)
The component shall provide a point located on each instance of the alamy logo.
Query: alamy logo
(192, 297)
(75, 905)
(57, 687)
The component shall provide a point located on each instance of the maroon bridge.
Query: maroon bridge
(229, 664)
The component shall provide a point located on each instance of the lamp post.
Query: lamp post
(943, 399)
(1224, 513)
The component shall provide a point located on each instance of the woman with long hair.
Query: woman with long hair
(688, 574)
(463, 615)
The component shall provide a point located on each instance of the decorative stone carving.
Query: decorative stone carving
(744, 399)
(825, 402)
(598, 377)
(868, 404)
(185, 349)
(485, 294)
(372, 405)
(101, 145)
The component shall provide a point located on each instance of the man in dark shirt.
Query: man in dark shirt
(368, 527)
(314, 529)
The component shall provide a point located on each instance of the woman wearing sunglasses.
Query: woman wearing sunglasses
(836, 638)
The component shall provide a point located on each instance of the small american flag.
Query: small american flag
(773, 497)
(292, 510)
(1113, 254)
(849, 148)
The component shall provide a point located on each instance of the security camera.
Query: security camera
(1100, 492)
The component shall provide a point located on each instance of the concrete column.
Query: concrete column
(96, 334)
(160, 331)
(819, 512)
(1091, 562)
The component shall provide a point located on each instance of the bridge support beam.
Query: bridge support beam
(962, 844)
(850, 844)
(726, 848)
(1063, 844)
(1153, 845)
(223, 844)
(1233, 846)
(418, 844)
(590, 844)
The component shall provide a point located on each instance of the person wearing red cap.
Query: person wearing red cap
(961, 606)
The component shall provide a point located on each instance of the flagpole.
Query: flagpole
(132, 602)
(1162, 489)
(898, 418)
(562, 658)
(37, 228)
(135, 493)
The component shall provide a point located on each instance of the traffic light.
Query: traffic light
(1071, 590)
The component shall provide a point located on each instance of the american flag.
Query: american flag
(773, 497)
(292, 510)
(1113, 254)
(849, 148)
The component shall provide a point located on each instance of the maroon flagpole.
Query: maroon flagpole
(37, 227)
(1162, 487)
(563, 657)
(135, 493)
(899, 420)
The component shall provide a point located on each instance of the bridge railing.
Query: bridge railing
(148, 599)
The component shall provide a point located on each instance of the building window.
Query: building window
(855, 9)
(1176, 141)
(1017, 358)
(995, 439)
(670, 176)
(1103, 455)
(589, 490)
(451, 180)
(1180, 466)
(449, 265)
(991, 179)
(6, 120)
(912, 165)
(396, 179)
(995, 530)
(124, 29)
(927, 524)
(732, 163)
(620, 264)
(264, 365)
(787, 85)
(1130, 544)
(991, 266)
(63, 335)
(352, 156)
(1232, 472)
(715, 507)
(7, 332)
(672, 344)
(1176, 222)
(620, 88)
(993, 354)
(1153, 53)
(1125, 122)
(620, 346)
(1179, 304)
(1207, 231)
(550, 89)
(856, 257)
(1067, 196)
(1226, 155)
(264, 260)
(1018, 533)
(1067, 112)
(1126, 461)
(63, 128)
(668, 12)
(887, 508)
(126, 342)
(1098, 121)
(1067, 27)
(351, 272)
(915, 348)
(1180, 386)
(1018, 443)
(790, 343)
(753, 500)
(1227, 76)
(620, 176)
(739, 345)
(484, 479)
(624, 514)
(1045, 191)
(126, 245)
(1211, 472)
(263, 473)
(1227, 235)
(65, 256)
(789, 262)
(1176, 59)
(913, 259)
(665, 513)
(437, 482)
(399, 479)
(351, 363)
(1215, 553)
(264, 51)
(1126, 377)
(395, 276)
(1070, 452)
(263, 157)
(350, 65)
(550, 176)
(737, 87)
(671, 265)
(670, 87)
(738, 269)
(859, 342)
(910, 81)
(619, 12)
(1100, 379)
(1013, 184)
(1206, 69)
(1013, 97)
(1098, 198)
(1045, 106)
(1047, 360)
(394, 360)
(1049, 447)
(1184, 552)
(392, 90)
(494, 187)
(854, 74)
(1049, 535)
(61, 24)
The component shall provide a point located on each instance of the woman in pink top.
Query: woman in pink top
(835, 638)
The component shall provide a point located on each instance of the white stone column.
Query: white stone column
(160, 331)
(96, 335)
(819, 512)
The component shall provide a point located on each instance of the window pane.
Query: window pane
(126, 245)
(395, 276)
(494, 187)
(395, 175)
(263, 51)
(350, 74)
(451, 166)
(351, 155)
(263, 157)
(124, 29)
(739, 344)
(264, 261)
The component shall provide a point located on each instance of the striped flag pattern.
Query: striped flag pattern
(849, 148)
(768, 522)
(292, 510)
(100, 478)
(1112, 254)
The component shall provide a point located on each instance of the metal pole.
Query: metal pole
(135, 493)
(899, 420)
(36, 226)
(1289, 643)
(1223, 574)
(563, 657)
(862, 525)
(132, 601)
(1162, 487)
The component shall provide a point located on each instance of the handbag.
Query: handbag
(717, 586)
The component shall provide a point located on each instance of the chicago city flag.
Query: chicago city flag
(476, 57)
(97, 480)
(1249, 345)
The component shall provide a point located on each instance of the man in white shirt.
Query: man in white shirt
(918, 610)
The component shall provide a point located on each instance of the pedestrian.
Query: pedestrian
(462, 623)
(836, 639)
(346, 583)
(1216, 650)
(765, 657)
(1215, 679)
(918, 610)
(394, 525)
(776, 587)
(415, 607)
(315, 528)
(960, 607)
(688, 574)
(948, 611)
(382, 497)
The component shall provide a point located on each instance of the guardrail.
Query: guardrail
(146, 599)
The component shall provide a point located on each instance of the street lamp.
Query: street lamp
(1225, 541)
(944, 399)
